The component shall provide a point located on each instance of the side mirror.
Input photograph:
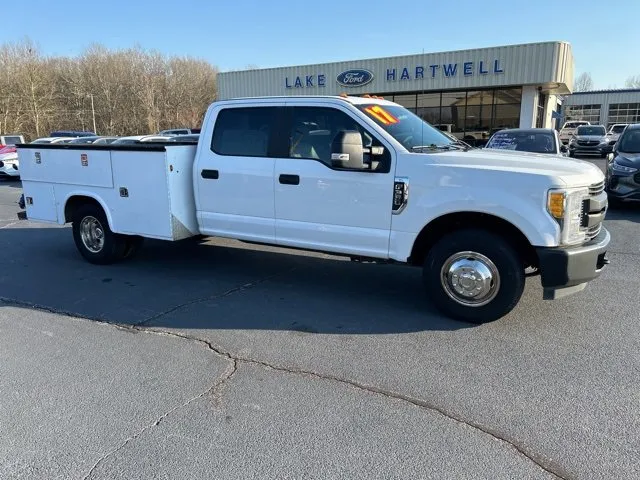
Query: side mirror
(347, 150)
(610, 157)
(563, 149)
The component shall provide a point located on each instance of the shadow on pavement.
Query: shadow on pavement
(10, 182)
(216, 285)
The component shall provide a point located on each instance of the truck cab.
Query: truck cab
(355, 176)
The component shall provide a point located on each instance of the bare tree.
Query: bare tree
(633, 82)
(133, 91)
(583, 83)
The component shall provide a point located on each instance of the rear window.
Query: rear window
(574, 124)
(536, 142)
(591, 130)
(243, 132)
(618, 128)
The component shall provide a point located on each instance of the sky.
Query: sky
(234, 34)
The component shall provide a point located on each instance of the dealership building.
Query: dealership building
(469, 92)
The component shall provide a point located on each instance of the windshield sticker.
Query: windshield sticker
(504, 142)
(380, 114)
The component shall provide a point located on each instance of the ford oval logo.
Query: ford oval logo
(354, 78)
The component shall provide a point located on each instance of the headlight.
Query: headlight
(622, 168)
(565, 205)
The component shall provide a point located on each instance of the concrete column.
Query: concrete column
(549, 107)
(528, 106)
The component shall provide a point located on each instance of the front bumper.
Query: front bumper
(589, 149)
(564, 271)
(622, 186)
(9, 169)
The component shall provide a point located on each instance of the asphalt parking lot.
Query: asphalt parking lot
(224, 360)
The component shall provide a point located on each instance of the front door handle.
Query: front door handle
(210, 174)
(286, 179)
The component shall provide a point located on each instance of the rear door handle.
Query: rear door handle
(210, 174)
(286, 179)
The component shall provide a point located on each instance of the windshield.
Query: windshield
(12, 140)
(406, 127)
(597, 130)
(617, 128)
(536, 142)
(630, 141)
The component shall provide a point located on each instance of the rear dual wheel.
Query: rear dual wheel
(96, 242)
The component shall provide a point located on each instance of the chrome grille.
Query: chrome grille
(596, 188)
(593, 231)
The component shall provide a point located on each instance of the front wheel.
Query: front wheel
(474, 275)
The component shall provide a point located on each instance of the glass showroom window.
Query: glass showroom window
(624, 113)
(506, 109)
(429, 107)
(467, 114)
(587, 113)
(479, 111)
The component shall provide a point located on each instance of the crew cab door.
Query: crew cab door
(322, 208)
(234, 186)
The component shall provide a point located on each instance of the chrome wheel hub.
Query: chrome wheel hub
(92, 234)
(470, 278)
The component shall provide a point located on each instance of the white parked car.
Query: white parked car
(354, 176)
(133, 139)
(568, 130)
(9, 162)
(53, 140)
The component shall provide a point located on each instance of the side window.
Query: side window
(314, 128)
(243, 132)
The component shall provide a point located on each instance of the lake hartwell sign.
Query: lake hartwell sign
(358, 77)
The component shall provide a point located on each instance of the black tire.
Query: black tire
(113, 245)
(510, 269)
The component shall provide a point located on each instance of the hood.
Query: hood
(629, 159)
(563, 171)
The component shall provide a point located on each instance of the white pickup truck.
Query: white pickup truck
(360, 177)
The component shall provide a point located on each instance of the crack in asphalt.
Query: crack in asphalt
(543, 463)
(231, 291)
(213, 391)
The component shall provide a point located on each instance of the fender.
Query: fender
(525, 213)
(83, 193)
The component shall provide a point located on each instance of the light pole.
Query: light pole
(93, 114)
